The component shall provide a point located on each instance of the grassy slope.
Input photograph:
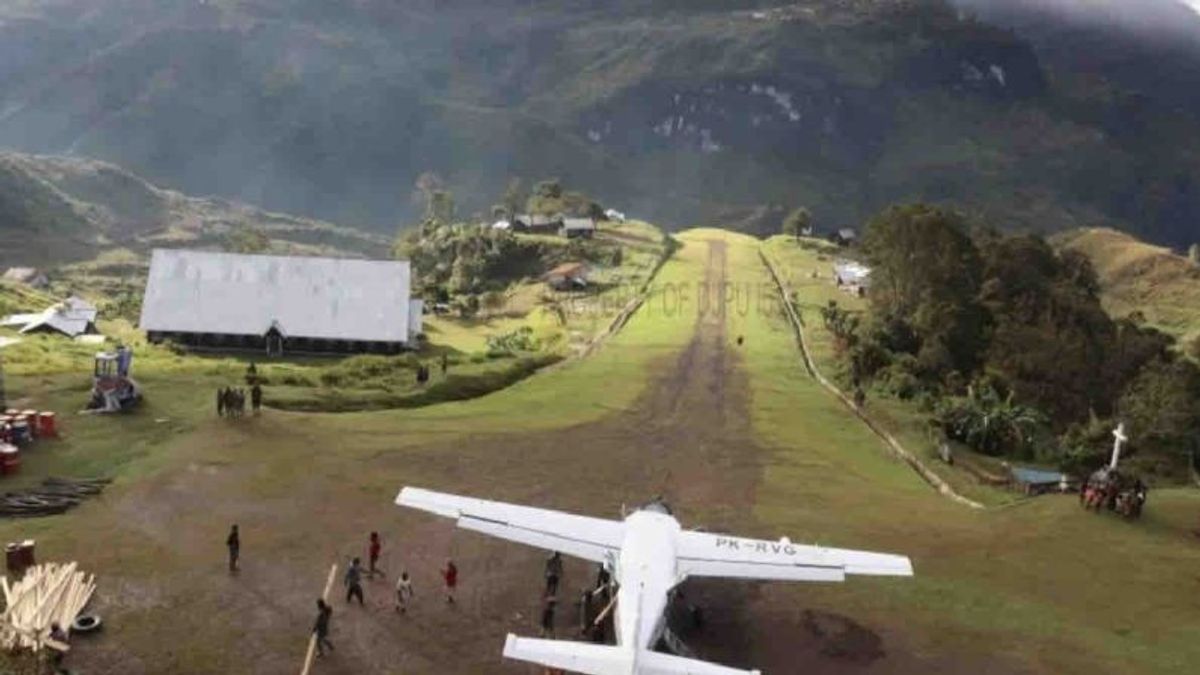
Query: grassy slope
(1043, 583)
(54, 374)
(796, 264)
(1136, 276)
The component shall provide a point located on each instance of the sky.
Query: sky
(1178, 20)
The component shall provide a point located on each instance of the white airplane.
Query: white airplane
(648, 555)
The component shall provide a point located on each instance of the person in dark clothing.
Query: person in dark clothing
(252, 374)
(56, 657)
(220, 403)
(554, 570)
(234, 543)
(256, 397)
(548, 617)
(445, 363)
(373, 550)
(321, 627)
(353, 581)
(860, 398)
(602, 579)
(450, 576)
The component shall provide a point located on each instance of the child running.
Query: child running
(404, 592)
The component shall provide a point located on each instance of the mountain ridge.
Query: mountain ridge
(684, 112)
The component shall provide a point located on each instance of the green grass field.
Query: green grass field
(1038, 587)
(1042, 582)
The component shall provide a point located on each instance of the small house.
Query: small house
(852, 276)
(844, 237)
(537, 223)
(30, 276)
(72, 317)
(1040, 481)
(567, 276)
(578, 228)
(614, 215)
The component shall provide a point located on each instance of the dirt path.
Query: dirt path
(688, 438)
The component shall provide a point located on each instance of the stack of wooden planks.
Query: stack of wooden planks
(48, 594)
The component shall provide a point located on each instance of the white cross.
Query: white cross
(1119, 438)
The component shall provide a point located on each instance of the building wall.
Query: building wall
(258, 343)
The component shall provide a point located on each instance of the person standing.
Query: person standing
(256, 397)
(353, 581)
(57, 634)
(450, 577)
(445, 363)
(548, 607)
(321, 627)
(373, 550)
(234, 543)
(404, 592)
(220, 402)
(554, 570)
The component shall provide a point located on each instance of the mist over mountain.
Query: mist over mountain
(687, 112)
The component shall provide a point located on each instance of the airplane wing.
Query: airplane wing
(592, 539)
(714, 555)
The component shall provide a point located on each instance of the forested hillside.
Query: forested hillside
(55, 210)
(698, 111)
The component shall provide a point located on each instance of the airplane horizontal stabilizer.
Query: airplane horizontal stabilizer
(577, 657)
(657, 663)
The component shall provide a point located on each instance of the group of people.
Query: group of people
(403, 593)
(231, 402)
(594, 603)
(1109, 489)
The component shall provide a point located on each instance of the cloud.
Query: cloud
(1177, 20)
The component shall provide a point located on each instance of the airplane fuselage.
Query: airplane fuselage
(645, 572)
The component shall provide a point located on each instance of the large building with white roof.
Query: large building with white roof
(280, 304)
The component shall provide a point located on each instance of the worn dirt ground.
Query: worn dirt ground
(302, 504)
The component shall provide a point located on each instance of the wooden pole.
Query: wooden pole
(312, 639)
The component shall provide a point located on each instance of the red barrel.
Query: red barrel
(46, 425)
(31, 416)
(10, 459)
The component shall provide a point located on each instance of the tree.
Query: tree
(440, 207)
(926, 271)
(514, 197)
(1162, 407)
(797, 222)
(548, 189)
(988, 422)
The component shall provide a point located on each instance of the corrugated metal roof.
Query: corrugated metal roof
(579, 224)
(321, 298)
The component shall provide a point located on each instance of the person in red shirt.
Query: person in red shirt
(373, 555)
(450, 576)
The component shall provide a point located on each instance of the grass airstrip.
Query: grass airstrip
(1037, 586)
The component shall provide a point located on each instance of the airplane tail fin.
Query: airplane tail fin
(590, 659)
